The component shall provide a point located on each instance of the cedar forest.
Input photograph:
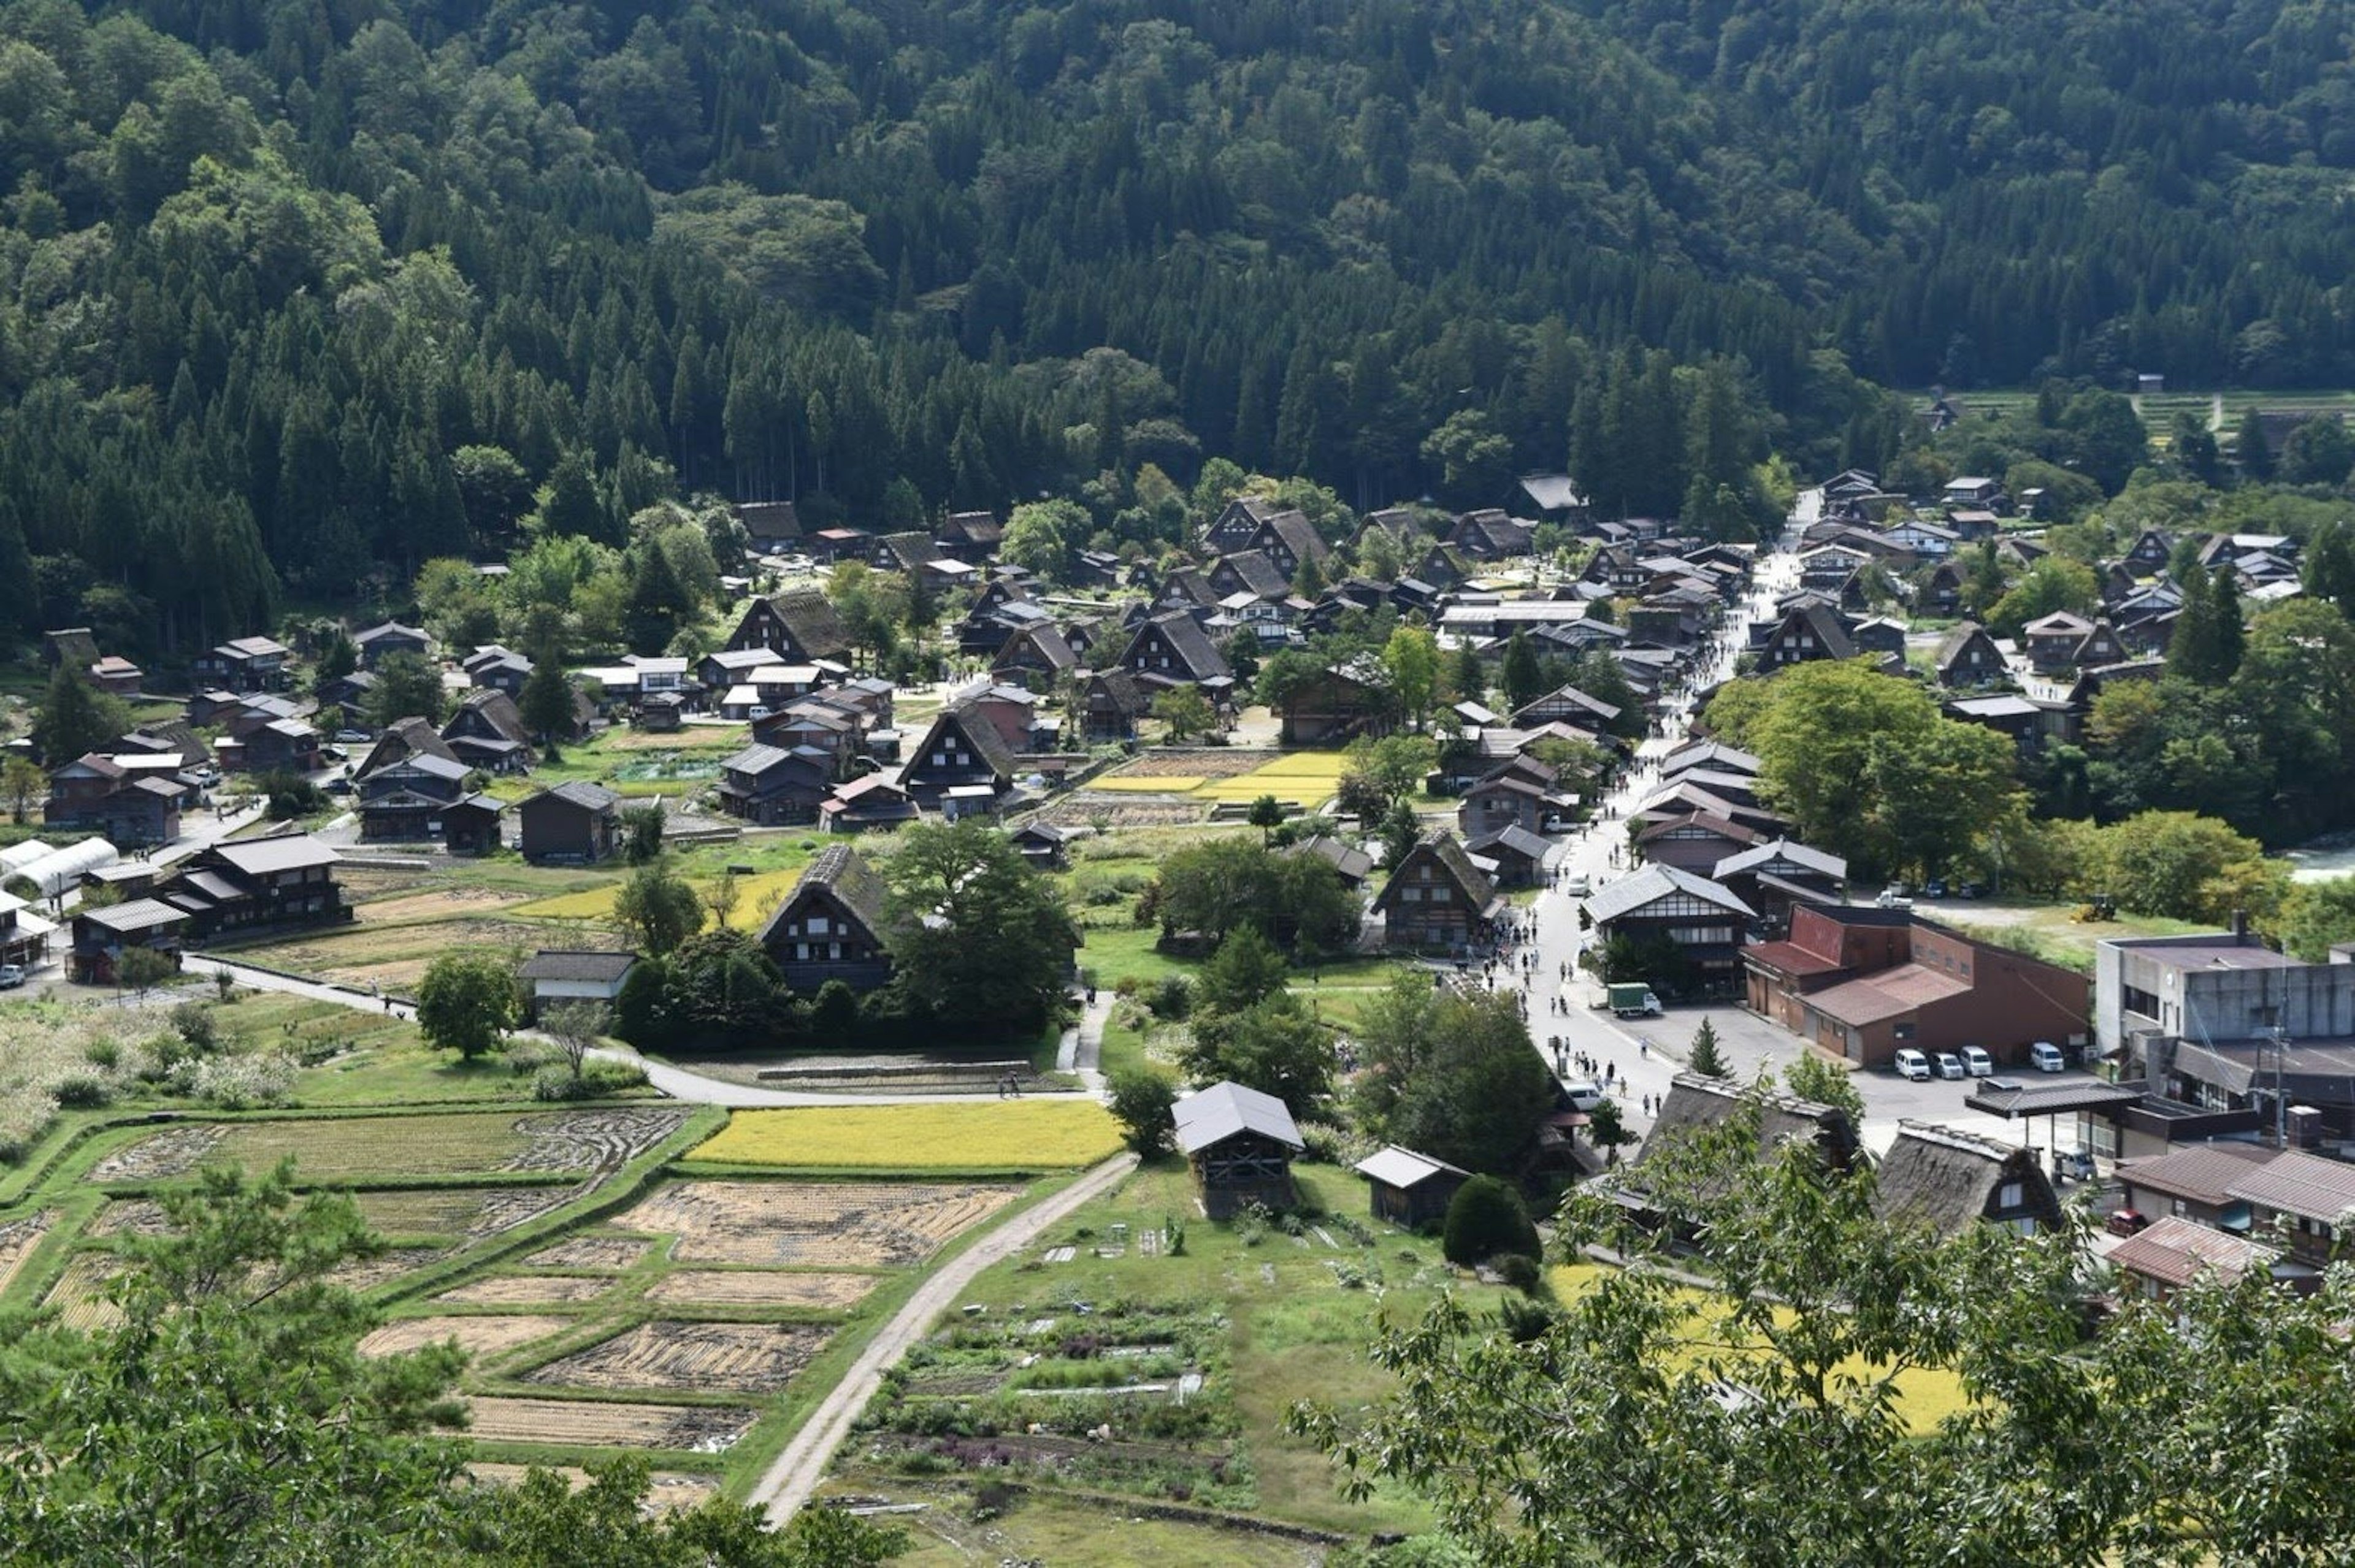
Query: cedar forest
(299, 295)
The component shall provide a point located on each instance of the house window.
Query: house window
(818, 925)
(2010, 1195)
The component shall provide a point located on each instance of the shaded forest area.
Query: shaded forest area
(295, 295)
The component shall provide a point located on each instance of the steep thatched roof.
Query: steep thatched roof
(1698, 1104)
(1949, 1179)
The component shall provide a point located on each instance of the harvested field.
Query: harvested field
(1186, 767)
(458, 1210)
(17, 1239)
(702, 1429)
(441, 904)
(742, 1358)
(79, 1295)
(1029, 1135)
(166, 1154)
(479, 1337)
(1087, 809)
(815, 1224)
(666, 1490)
(131, 1217)
(745, 1288)
(526, 1290)
(364, 1274)
(340, 1150)
(594, 1140)
(350, 956)
(615, 1253)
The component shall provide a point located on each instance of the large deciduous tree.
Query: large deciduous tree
(979, 938)
(466, 1001)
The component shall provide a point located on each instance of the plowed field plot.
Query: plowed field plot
(666, 1490)
(615, 1253)
(813, 1224)
(526, 1290)
(166, 1154)
(744, 1288)
(480, 1337)
(702, 1429)
(458, 1210)
(742, 1358)
(17, 1239)
(594, 1140)
(79, 1295)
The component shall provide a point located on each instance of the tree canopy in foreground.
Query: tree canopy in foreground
(229, 1419)
(1646, 1422)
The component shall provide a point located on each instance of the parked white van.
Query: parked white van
(2045, 1057)
(1977, 1063)
(1912, 1063)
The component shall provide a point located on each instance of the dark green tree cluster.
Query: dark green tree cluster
(1297, 901)
(301, 299)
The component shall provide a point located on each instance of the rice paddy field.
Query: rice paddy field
(1030, 1136)
(1306, 777)
(757, 897)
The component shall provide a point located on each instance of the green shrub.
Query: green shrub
(1488, 1220)
(1141, 1103)
(82, 1091)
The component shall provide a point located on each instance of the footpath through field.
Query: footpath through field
(795, 1476)
(693, 1088)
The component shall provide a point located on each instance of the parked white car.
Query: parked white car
(1949, 1065)
(11, 976)
(1584, 1095)
(2045, 1057)
(1977, 1063)
(1912, 1064)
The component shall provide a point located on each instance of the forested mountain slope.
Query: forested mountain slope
(295, 294)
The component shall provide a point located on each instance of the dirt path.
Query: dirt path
(789, 1481)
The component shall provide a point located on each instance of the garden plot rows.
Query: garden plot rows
(1035, 1135)
(813, 1224)
(741, 1358)
(701, 1429)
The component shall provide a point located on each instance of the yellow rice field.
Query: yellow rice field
(757, 897)
(1035, 1135)
(1307, 777)
(1926, 1396)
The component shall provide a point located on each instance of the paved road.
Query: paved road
(1645, 1054)
(693, 1088)
(789, 1481)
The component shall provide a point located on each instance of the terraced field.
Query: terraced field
(480, 1337)
(698, 1428)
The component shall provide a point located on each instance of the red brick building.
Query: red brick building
(1866, 982)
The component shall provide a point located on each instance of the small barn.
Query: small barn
(1949, 1179)
(1240, 1144)
(1409, 1189)
(1698, 1105)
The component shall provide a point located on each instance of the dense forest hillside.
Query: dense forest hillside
(295, 295)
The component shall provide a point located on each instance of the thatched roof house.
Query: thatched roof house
(1698, 1104)
(1949, 1179)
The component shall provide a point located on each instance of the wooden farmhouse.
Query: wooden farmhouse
(831, 926)
(1240, 1144)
